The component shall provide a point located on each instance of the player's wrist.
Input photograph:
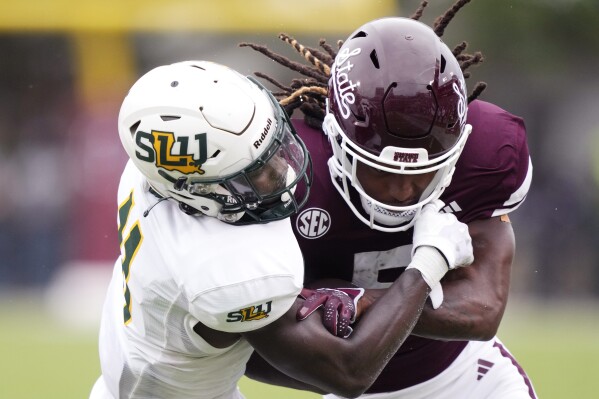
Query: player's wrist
(430, 263)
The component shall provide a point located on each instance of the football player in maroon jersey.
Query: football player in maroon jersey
(402, 132)
(214, 163)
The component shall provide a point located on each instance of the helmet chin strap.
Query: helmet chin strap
(225, 217)
(385, 216)
(391, 218)
(147, 211)
(381, 215)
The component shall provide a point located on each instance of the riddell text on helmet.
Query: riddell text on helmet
(259, 142)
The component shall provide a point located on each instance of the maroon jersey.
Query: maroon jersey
(492, 178)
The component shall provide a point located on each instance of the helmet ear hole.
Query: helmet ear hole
(359, 34)
(133, 128)
(443, 63)
(375, 59)
(167, 118)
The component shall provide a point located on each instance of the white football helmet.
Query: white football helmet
(215, 141)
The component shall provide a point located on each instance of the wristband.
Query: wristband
(430, 263)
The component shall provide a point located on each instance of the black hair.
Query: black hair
(308, 94)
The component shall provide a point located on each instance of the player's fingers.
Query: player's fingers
(331, 314)
(345, 319)
(310, 305)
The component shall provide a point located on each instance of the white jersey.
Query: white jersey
(175, 270)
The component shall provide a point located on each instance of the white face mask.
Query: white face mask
(387, 217)
(380, 216)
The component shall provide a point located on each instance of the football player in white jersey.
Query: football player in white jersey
(209, 267)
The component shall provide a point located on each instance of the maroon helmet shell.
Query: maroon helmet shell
(395, 83)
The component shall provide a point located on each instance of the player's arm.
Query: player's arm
(475, 297)
(319, 361)
(260, 370)
(307, 352)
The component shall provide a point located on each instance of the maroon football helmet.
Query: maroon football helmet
(397, 102)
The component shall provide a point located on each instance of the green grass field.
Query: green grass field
(557, 344)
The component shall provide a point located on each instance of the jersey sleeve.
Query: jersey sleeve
(246, 306)
(252, 284)
(494, 172)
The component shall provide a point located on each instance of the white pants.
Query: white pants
(484, 370)
(100, 391)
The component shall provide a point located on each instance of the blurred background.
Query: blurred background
(66, 65)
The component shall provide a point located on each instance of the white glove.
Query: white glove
(444, 232)
(440, 243)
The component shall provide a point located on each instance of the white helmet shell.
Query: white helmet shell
(192, 126)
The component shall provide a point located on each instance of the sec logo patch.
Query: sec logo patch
(313, 223)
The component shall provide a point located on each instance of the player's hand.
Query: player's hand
(444, 232)
(440, 243)
(339, 306)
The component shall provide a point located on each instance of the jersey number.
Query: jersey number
(130, 245)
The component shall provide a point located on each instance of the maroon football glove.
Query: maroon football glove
(339, 306)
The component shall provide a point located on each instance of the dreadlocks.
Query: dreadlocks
(309, 94)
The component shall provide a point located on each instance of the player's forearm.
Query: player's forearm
(461, 317)
(464, 314)
(346, 367)
(260, 370)
(472, 308)
(375, 340)
(474, 297)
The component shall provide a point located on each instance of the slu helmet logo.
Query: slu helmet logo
(159, 148)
